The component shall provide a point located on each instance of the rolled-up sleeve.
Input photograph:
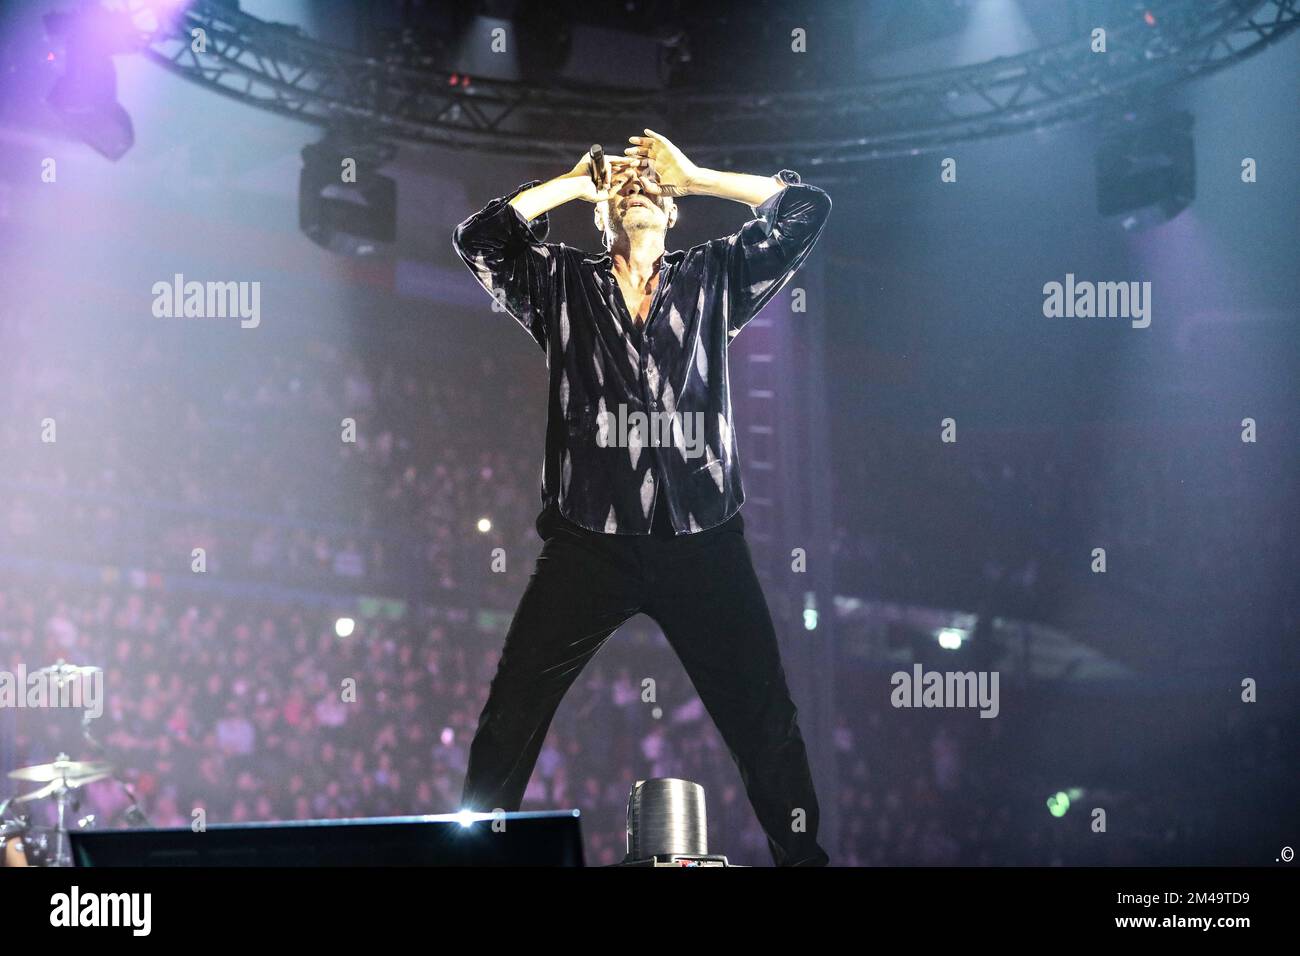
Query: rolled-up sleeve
(509, 258)
(762, 256)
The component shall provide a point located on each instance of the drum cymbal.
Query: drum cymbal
(63, 671)
(53, 787)
(73, 772)
(43, 792)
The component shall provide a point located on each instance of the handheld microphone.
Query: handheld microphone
(597, 166)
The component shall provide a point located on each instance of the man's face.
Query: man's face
(635, 203)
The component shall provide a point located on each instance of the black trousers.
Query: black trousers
(702, 591)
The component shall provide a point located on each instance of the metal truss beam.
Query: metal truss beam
(275, 68)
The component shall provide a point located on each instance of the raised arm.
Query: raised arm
(575, 184)
(766, 251)
(678, 176)
(503, 243)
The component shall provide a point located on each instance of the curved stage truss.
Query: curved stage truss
(275, 68)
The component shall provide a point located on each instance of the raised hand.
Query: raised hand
(675, 175)
(615, 172)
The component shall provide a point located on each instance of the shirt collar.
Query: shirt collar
(603, 261)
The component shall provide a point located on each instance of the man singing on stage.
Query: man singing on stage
(641, 484)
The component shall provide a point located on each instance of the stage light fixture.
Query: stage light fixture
(344, 204)
(85, 96)
(1146, 169)
(950, 638)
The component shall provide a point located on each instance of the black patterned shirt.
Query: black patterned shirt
(640, 417)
